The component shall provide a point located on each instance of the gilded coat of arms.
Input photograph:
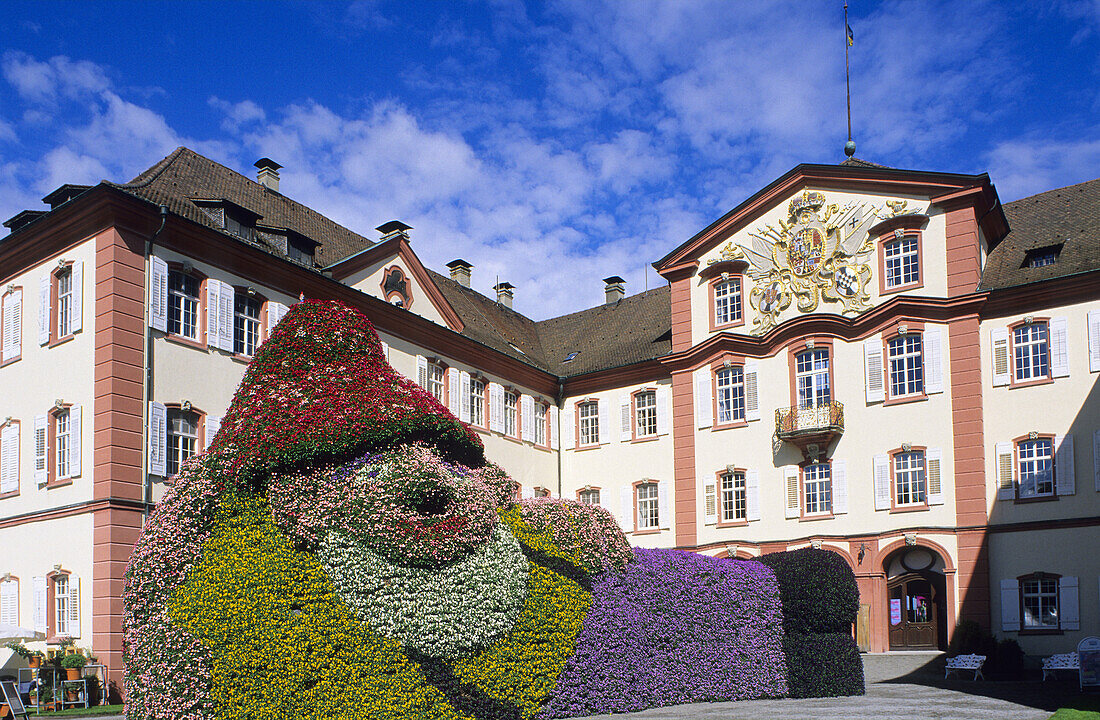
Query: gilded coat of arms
(819, 253)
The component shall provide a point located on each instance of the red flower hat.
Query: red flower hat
(320, 390)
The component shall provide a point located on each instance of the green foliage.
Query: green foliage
(74, 661)
(818, 590)
(823, 665)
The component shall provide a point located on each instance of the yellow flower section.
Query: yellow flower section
(284, 645)
(537, 540)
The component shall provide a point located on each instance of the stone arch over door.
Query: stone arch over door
(918, 596)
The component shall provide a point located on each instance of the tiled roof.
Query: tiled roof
(635, 329)
(185, 175)
(1068, 216)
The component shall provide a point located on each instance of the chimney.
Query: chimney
(460, 271)
(392, 229)
(614, 289)
(504, 293)
(268, 174)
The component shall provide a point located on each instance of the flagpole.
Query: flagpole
(847, 81)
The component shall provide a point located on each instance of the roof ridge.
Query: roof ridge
(152, 173)
(1052, 190)
(601, 305)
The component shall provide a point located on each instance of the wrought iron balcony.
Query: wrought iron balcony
(817, 424)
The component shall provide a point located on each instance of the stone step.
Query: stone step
(882, 667)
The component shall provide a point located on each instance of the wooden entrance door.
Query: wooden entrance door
(912, 613)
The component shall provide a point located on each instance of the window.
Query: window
(395, 287)
(589, 422)
(65, 302)
(817, 489)
(1039, 602)
(540, 423)
(645, 414)
(510, 413)
(61, 604)
(435, 382)
(727, 301)
(1029, 348)
(183, 305)
(906, 365)
(541, 492)
(246, 324)
(1041, 257)
(589, 496)
(901, 262)
(234, 226)
(647, 507)
(477, 402)
(730, 394)
(909, 478)
(812, 377)
(62, 468)
(183, 438)
(734, 496)
(1036, 468)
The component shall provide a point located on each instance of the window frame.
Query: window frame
(733, 474)
(900, 235)
(895, 505)
(199, 341)
(712, 290)
(242, 292)
(636, 409)
(589, 489)
(434, 365)
(1018, 470)
(1013, 380)
(913, 330)
(511, 413)
(812, 344)
(655, 499)
(541, 424)
(1040, 629)
(803, 492)
(592, 421)
(53, 631)
(389, 296)
(169, 446)
(483, 400)
(729, 365)
(56, 338)
(53, 477)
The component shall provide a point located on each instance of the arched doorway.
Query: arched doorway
(916, 599)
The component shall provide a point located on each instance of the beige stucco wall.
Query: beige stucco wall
(369, 281)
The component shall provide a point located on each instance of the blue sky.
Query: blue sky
(550, 144)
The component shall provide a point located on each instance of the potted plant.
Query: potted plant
(33, 657)
(73, 664)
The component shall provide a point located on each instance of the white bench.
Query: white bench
(1064, 661)
(965, 662)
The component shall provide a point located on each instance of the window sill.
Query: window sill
(50, 484)
(902, 288)
(722, 524)
(1042, 631)
(9, 361)
(647, 531)
(716, 427)
(1039, 499)
(908, 508)
(728, 326)
(54, 342)
(186, 342)
(819, 516)
(1030, 383)
(13, 493)
(645, 439)
(580, 448)
(243, 359)
(904, 399)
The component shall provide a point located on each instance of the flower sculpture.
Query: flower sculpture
(344, 550)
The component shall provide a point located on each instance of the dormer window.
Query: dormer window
(229, 216)
(234, 226)
(1041, 257)
(300, 249)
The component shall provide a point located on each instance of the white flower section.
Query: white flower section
(444, 612)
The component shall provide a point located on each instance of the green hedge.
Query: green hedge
(818, 590)
(823, 665)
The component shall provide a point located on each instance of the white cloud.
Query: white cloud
(1026, 166)
(50, 80)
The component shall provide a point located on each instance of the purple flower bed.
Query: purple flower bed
(675, 627)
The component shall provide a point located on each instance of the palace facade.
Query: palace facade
(884, 363)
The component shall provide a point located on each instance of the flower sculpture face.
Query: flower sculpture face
(344, 550)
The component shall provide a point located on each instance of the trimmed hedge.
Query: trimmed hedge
(818, 589)
(823, 665)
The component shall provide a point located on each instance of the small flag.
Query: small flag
(851, 36)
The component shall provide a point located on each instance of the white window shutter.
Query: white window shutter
(9, 602)
(41, 448)
(527, 418)
(454, 394)
(1094, 340)
(78, 296)
(44, 310)
(752, 391)
(626, 509)
(626, 430)
(422, 371)
(385, 349)
(211, 427)
(872, 356)
(213, 292)
(1096, 460)
(158, 295)
(13, 325)
(496, 407)
(703, 410)
(933, 460)
(9, 458)
(1063, 465)
(226, 297)
(527, 492)
(662, 410)
(464, 406)
(555, 435)
(790, 483)
(933, 361)
(1010, 605)
(840, 487)
(998, 340)
(74, 441)
(752, 494)
(276, 312)
(710, 501)
(603, 413)
(664, 513)
(881, 467)
(1069, 611)
(74, 606)
(568, 420)
(158, 439)
(1006, 486)
(1059, 353)
(38, 585)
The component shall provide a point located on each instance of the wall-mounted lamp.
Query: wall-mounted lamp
(862, 553)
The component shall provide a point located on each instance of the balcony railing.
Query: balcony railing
(813, 420)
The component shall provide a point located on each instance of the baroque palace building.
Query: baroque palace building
(884, 363)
